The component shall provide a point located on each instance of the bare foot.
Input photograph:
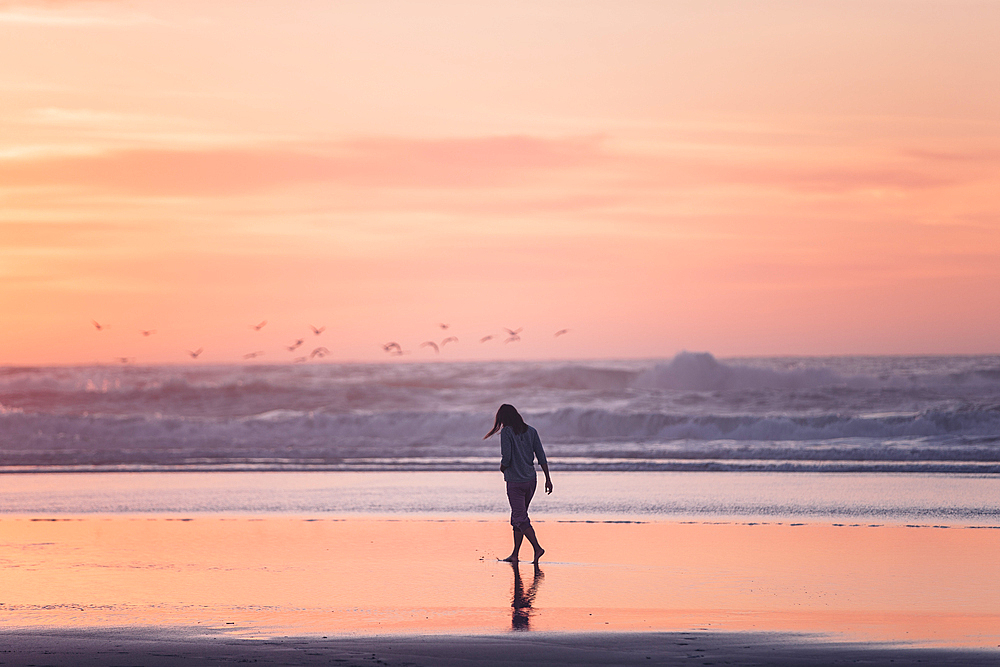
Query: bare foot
(538, 554)
(509, 559)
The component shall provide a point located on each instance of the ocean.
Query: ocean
(690, 413)
(897, 439)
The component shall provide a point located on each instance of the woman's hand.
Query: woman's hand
(548, 485)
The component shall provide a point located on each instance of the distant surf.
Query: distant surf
(693, 412)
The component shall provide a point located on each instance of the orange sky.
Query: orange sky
(739, 177)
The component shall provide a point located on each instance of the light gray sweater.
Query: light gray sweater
(518, 453)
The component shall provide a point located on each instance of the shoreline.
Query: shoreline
(417, 518)
(910, 498)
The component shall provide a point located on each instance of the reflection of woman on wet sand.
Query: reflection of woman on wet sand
(519, 446)
(521, 600)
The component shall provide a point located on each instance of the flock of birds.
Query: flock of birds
(392, 348)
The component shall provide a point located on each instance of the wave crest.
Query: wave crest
(700, 371)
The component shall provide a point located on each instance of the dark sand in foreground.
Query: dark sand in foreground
(121, 648)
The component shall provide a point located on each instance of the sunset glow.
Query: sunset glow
(757, 178)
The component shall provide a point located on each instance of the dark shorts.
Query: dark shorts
(519, 495)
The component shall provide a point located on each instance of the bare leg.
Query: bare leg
(529, 532)
(518, 537)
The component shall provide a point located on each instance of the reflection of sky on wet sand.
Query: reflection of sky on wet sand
(284, 575)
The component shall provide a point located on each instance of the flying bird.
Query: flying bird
(485, 338)
(430, 343)
(319, 352)
(147, 332)
(449, 339)
(99, 326)
(194, 355)
(560, 333)
(298, 360)
(317, 331)
(253, 355)
(512, 334)
(295, 346)
(392, 348)
(443, 325)
(125, 360)
(258, 327)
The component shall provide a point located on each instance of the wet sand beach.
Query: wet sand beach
(166, 647)
(210, 589)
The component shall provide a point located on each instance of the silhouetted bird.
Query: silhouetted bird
(147, 332)
(389, 347)
(125, 360)
(295, 346)
(317, 331)
(194, 355)
(430, 343)
(99, 326)
(512, 334)
(258, 327)
(443, 325)
(319, 352)
(449, 339)
(485, 338)
(298, 360)
(253, 355)
(560, 333)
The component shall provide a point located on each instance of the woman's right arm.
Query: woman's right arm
(542, 461)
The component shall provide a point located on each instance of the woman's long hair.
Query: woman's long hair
(508, 415)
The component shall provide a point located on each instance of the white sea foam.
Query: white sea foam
(702, 372)
(691, 412)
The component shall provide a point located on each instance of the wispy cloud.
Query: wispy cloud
(979, 155)
(69, 15)
(839, 179)
(62, 116)
(34, 235)
(97, 130)
(804, 172)
(482, 162)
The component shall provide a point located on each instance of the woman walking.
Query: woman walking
(519, 447)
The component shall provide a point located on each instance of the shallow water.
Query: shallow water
(948, 499)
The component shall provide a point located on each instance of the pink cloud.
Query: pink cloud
(479, 162)
(974, 156)
(56, 234)
(807, 176)
(487, 161)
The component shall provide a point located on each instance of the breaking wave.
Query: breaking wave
(691, 412)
